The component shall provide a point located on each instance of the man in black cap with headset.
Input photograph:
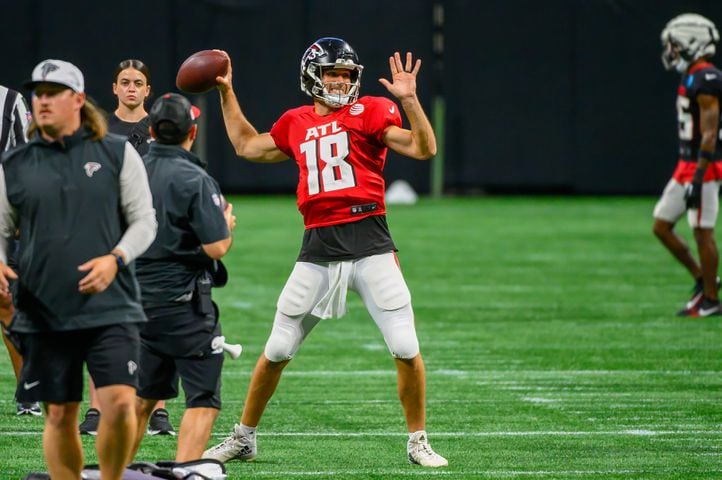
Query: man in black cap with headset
(176, 274)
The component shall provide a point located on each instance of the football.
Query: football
(199, 71)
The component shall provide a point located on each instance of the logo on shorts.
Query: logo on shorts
(28, 386)
(132, 367)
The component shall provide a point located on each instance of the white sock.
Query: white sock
(247, 431)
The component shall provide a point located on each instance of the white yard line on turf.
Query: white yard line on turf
(511, 373)
(413, 472)
(633, 433)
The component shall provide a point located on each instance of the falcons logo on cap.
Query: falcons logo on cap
(47, 68)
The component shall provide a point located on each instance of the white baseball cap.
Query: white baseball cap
(57, 71)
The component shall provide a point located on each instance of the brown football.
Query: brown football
(199, 71)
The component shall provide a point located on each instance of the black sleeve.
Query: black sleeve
(206, 212)
(710, 83)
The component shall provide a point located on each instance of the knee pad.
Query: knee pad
(400, 333)
(384, 282)
(301, 290)
(286, 337)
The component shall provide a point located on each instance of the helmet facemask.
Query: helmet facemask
(338, 94)
(672, 57)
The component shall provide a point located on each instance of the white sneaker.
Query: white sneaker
(420, 452)
(236, 446)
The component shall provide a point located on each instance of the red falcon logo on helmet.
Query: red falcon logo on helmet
(313, 51)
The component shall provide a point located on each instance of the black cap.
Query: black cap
(172, 117)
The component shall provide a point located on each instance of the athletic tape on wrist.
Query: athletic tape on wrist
(709, 156)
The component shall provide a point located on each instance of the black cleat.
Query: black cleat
(29, 408)
(89, 426)
(159, 423)
(706, 308)
(697, 295)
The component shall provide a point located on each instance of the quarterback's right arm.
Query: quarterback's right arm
(246, 140)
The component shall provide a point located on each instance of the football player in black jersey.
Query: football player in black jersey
(689, 41)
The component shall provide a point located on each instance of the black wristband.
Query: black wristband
(709, 156)
(119, 260)
(698, 176)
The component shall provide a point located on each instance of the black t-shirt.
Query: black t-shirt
(347, 241)
(188, 207)
(136, 132)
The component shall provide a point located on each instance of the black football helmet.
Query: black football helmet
(329, 52)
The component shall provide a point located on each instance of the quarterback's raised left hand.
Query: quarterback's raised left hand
(403, 77)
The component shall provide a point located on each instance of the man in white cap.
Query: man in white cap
(76, 301)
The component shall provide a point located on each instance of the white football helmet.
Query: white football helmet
(687, 38)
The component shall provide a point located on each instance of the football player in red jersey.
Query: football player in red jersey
(688, 41)
(340, 144)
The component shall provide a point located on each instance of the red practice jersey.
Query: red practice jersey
(340, 157)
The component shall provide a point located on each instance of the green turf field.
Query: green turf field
(548, 330)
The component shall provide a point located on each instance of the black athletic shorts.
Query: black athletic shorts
(176, 342)
(53, 361)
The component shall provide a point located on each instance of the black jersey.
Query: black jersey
(189, 211)
(702, 79)
(137, 133)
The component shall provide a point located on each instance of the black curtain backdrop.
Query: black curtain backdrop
(560, 96)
